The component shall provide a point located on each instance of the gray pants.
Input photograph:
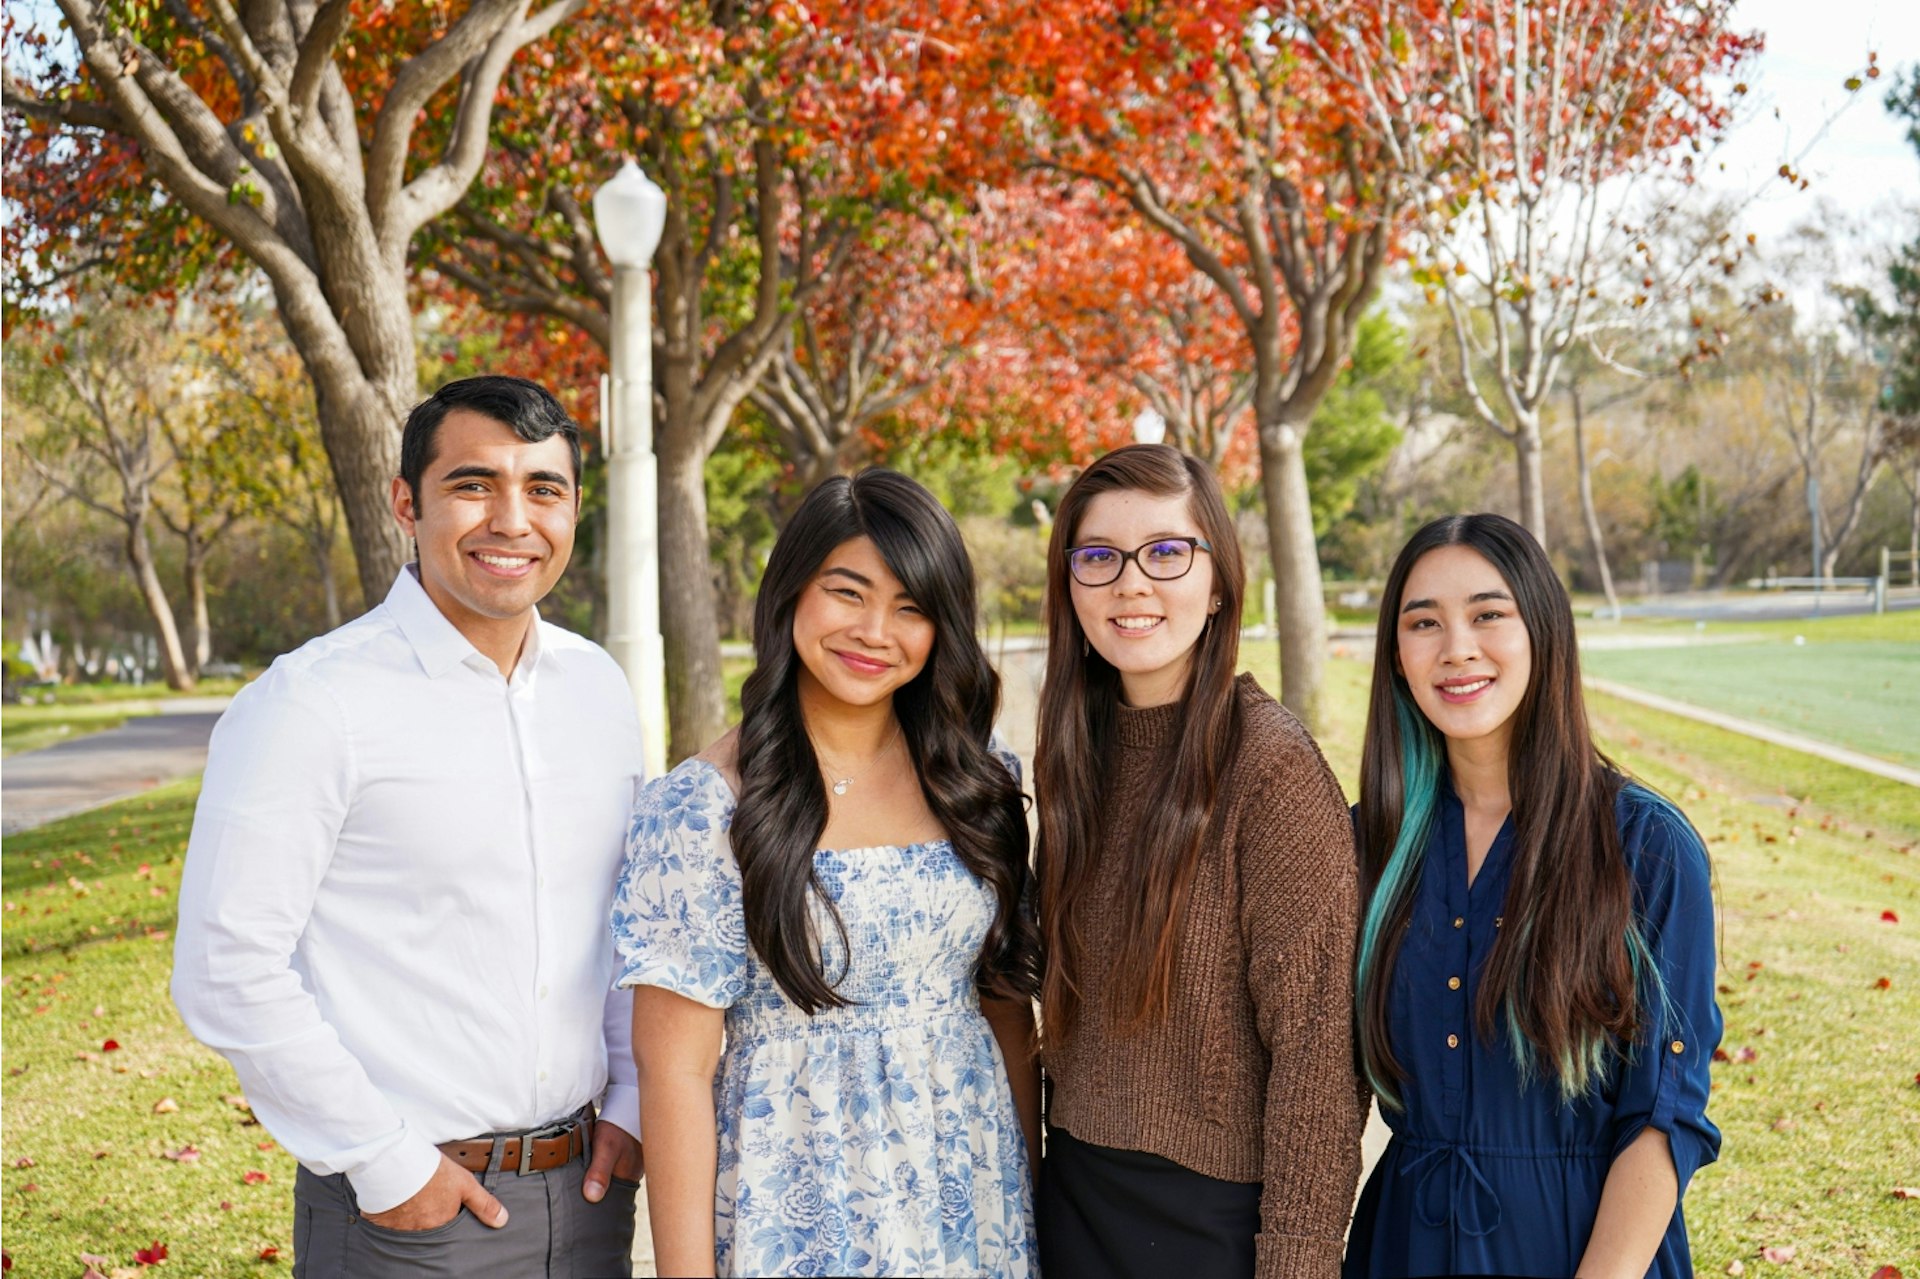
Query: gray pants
(551, 1233)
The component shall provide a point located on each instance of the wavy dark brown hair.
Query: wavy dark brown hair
(1077, 754)
(946, 715)
(1569, 973)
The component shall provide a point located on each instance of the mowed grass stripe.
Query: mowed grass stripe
(1861, 694)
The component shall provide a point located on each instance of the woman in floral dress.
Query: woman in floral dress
(822, 918)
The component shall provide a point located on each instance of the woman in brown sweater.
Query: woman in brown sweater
(1198, 908)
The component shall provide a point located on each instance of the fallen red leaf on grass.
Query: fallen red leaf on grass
(151, 1256)
(1906, 1192)
(165, 1106)
(1888, 1272)
(185, 1155)
(1779, 1255)
(31, 1188)
(265, 1145)
(1749, 1054)
(1888, 917)
(1885, 983)
(269, 1253)
(254, 1177)
(226, 1205)
(111, 1046)
(1721, 1054)
(6, 1261)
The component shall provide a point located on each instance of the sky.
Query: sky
(1863, 162)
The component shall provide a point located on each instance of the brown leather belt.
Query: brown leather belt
(541, 1150)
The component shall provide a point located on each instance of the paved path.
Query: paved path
(37, 787)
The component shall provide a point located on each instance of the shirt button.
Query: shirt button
(1453, 1041)
(1459, 921)
(543, 992)
(1453, 983)
(1497, 919)
(543, 1076)
(1679, 1046)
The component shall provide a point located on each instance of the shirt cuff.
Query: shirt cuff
(395, 1176)
(621, 1108)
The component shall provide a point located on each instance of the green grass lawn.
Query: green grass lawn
(32, 728)
(1852, 681)
(1821, 1123)
(107, 1151)
(67, 711)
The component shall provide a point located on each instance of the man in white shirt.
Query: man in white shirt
(393, 920)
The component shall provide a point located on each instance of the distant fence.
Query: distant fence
(1890, 557)
(1873, 588)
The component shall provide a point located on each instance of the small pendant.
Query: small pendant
(840, 787)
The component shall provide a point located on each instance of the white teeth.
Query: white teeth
(1136, 623)
(501, 561)
(1463, 690)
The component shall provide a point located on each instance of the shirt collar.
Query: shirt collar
(436, 641)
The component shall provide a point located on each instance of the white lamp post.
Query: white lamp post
(628, 213)
(1149, 427)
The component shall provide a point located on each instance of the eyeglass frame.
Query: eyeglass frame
(1193, 543)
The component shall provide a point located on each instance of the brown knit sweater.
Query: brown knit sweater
(1251, 1075)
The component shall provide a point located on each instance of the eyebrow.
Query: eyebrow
(1480, 598)
(861, 578)
(1151, 537)
(477, 472)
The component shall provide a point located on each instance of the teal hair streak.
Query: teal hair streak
(1420, 789)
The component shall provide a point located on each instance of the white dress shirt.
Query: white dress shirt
(393, 918)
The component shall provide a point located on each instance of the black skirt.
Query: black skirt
(1109, 1214)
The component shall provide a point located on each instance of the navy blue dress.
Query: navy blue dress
(1487, 1177)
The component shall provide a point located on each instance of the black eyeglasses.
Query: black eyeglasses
(1164, 559)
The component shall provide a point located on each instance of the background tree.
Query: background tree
(101, 393)
(1895, 323)
(256, 384)
(313, 139)
(1533, 172)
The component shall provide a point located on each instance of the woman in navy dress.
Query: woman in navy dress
(1536, 973)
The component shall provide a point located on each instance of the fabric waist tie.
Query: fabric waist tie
(1470, 1198)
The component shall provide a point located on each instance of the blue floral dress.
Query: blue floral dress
(876, 1139)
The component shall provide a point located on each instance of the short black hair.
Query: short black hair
(527, 407)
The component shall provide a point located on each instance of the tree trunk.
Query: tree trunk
(195, 572)
(173, 663)
(1814, 522)
(689, 618)
(329, 584)
(1587, 511)
(1533, 497)
(1300, 607)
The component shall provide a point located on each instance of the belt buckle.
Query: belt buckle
(558, 1129)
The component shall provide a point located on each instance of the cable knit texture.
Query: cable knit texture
(1251, 1075)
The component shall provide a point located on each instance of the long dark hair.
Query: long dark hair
(946, 717)
(1077, 751)
(1569, 970)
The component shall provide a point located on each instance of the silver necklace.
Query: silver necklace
(840, 784)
